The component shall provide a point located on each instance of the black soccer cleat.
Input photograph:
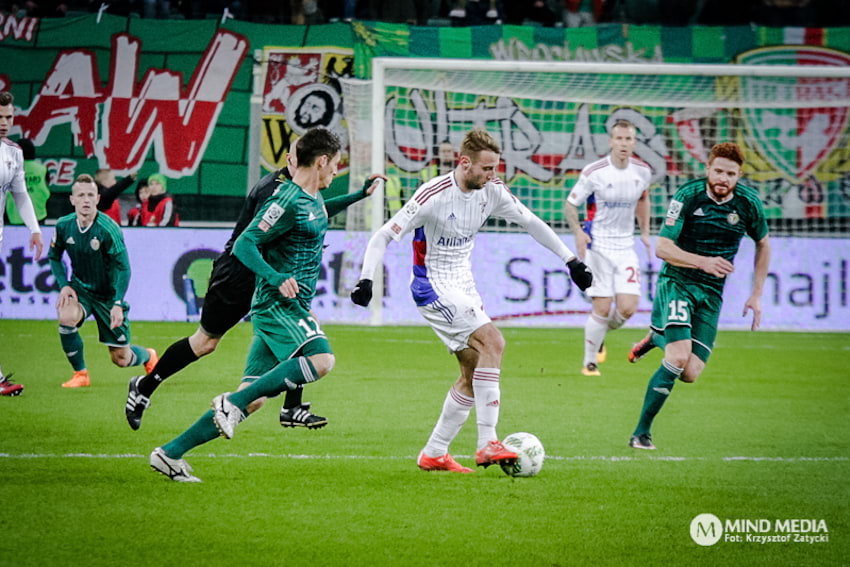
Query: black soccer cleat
(642, 441)
(136, 404)
(301, 417)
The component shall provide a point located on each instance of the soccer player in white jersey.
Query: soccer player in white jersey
(12, 181)
(445, 214)
(615, 191)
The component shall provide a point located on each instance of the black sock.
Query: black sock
(293, 398)
(175, 358)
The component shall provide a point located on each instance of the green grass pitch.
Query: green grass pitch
(763, 435)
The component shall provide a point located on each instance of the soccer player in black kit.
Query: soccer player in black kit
(228, 301)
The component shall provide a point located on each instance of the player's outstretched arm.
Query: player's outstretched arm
(336, 205)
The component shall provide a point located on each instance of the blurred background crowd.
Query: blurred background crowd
(568, 13)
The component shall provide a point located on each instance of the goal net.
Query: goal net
(552, 118)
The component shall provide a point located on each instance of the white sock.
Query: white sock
(455, 411)
(616, 321)
(594, 334)
(485, 386)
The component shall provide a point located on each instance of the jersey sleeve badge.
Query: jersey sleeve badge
(270, 217)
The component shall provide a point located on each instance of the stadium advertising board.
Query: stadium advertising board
(520, 282)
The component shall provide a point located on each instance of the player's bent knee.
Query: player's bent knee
(70, 316)
(202, 344)
(323, 363)
(121, 357)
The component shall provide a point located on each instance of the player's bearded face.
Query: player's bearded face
(481, 170)
(723, 175)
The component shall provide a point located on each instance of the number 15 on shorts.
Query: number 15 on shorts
(679, 311)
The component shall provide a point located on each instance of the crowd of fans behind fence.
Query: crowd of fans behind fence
(569, 13)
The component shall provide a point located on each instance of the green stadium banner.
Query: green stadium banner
(175, 96)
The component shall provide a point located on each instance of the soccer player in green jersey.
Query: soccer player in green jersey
(705, 222)
(283, 246)
(101, 275)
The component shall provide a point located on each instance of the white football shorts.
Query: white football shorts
(614, 272)
(454, 316)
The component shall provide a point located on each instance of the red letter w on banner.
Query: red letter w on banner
(179, 123)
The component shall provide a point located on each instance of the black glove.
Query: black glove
(362, 293)
(368, 183)
(580, 273)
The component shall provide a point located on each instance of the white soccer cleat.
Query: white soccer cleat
(226, 415)
(177, 470)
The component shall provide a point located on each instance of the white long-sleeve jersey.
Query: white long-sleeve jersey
(611, 194)
(444, 221)
(12, 181)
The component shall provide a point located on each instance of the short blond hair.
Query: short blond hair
(83, 178)
(478, 140)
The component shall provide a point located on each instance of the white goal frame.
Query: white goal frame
(383, 66)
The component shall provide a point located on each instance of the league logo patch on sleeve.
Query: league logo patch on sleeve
(673, 212)
(270, 217)
(411, 208)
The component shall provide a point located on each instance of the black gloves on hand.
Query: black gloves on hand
(579, 273)
(362, 293)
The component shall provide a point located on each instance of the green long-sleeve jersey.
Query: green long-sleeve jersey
(99, 261)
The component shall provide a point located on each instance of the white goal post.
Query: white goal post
(552, 118)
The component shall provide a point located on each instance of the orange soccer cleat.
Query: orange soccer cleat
(444, 463)
(149, 365)
(493, 453)
(80, 379)
(640, 348)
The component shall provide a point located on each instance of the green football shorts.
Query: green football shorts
(99, 308)
(281, 333)
(687, 311)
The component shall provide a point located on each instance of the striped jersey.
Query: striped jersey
(444, 221)
(697, 223)
(289, 230)
(11, 174)
(611, 195)
(99, 261)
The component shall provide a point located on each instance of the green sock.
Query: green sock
(657, 392)
(72, 344)
(287, 375)
(657, 339)
(202, 431)
(140, 355)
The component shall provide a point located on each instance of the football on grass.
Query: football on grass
(530, 453)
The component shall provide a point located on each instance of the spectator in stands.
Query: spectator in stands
(160, 204)
(475, 12)
(445, 163)
(109, 189)
(306, 12)
(35, 177)
(139, 215)
(578, 13)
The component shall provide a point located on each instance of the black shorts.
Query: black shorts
(228, 298)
